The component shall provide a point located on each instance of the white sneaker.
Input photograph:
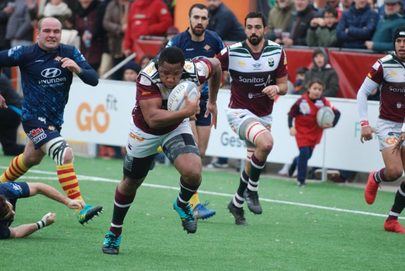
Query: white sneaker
(284, 170)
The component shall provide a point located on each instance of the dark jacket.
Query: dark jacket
(225, 23)
(91, 19)
(326, 74)
(382, 38)
(112, 23)
(301, 25)
(360, 25)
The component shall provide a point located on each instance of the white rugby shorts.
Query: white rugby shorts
(141, 144)
(236, 117)
(388, 133)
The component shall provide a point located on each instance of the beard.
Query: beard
(255, 40)
(198, 32)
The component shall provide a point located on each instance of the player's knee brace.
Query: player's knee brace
(251, 129)
(56, 149)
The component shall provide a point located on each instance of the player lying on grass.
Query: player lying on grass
(9, 194)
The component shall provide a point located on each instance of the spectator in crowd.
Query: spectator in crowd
(322, 32)
(6, 9)
(336, 5)
(391, 20)
(10, 118)
(130, 71)
(58, 9)
(224, 22)
(306, 130)
(145, 17)
(280, 19)
(357, 25)
(19, 26)
(115, 24)
(88, 20)
(323, 71)
(299, 84)
(346, 4)
(304, 12)
(264, 7)
(319, 5)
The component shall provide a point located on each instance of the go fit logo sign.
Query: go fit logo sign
(86, 118)
(89, 119)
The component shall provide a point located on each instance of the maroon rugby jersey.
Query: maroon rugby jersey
(389, 73)
(149, 86)
(250, 73)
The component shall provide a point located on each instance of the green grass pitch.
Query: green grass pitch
(323, 226)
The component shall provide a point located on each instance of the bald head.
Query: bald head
(49, 33)
(48, 20)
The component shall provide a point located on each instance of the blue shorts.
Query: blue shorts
(200, 119)
(40, 132)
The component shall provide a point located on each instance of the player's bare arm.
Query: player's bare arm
(214, 84)
(27, 229)
(156, 117)
(280, 88)
(52, 193)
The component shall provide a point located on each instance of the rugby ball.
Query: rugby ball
(175, 101)
(325, 116)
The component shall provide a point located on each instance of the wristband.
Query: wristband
(40, 224)
(364, 123)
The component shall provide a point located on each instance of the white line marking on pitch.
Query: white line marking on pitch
(100, 179)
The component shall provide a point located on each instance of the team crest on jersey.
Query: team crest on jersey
(207, 47)
(189, 67)
(271, 62)
(392, 73)
(242, 63)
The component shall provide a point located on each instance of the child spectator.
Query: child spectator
(130, 71)
(299, 84)
(322, 32)
(306, 130)
(321, 69)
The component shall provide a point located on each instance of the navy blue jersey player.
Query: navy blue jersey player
(47, 69)
(10, 192)
(196, 42)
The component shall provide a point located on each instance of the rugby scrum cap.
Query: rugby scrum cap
(400, 32)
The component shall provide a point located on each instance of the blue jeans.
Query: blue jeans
(302, 162)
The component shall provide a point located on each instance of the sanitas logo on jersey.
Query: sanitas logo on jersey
(252, 80)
